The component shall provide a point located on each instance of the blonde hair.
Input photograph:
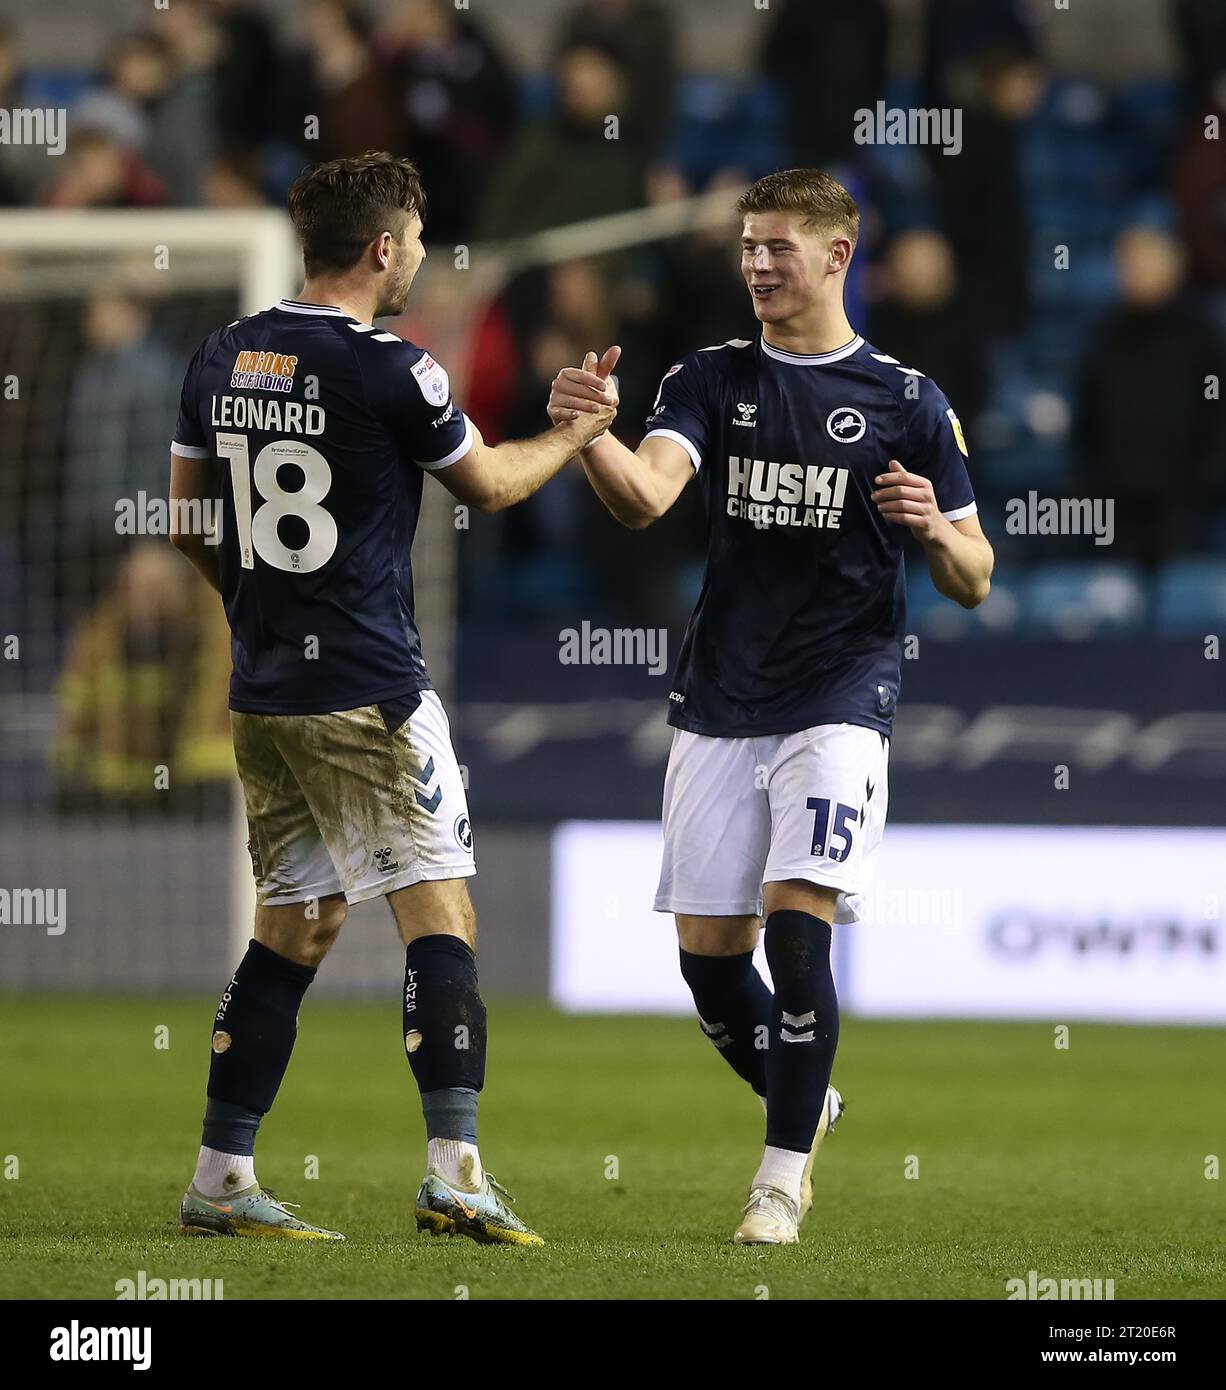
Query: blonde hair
(822, 203)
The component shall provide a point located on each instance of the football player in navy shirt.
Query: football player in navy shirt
(815, 452)
(314, 430)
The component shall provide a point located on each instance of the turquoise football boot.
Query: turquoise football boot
(255, 1211)
(482, 1215)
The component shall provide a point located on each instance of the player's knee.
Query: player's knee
(797, 952)
(317, 941)
(441, 908)
(717, 936)
(798, 895)
(304, 933)
(466, 920)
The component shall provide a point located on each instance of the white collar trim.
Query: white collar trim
(298, 306)
(820, 360)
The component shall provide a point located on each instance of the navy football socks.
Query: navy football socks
(805, 1028)
(444, 1033)
(253, 1037)
(734, 1008)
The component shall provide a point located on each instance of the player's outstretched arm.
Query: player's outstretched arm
(189, 481)
(960, 556)
(637, 486)
(492, 477)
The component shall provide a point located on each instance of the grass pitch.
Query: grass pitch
(630, 1147)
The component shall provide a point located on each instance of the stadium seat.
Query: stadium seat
(1190, 596)
(1084, 598)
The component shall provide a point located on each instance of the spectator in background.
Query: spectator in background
(124, 390)
(200, 80)
(979, 191)
(246, 69)
(233, 181)
(187, 121)
(143, 688)
(927, 322)
(959, 34)
(827, 69)
(700, 293)
(642, 31)
(457, 107)
(1200, 31)
(341, 84)
(1145, 434)
(541, 540)
(156, 99)
(1198, 177)
(544, 556)
(101, 173)
(584, 305)
(566, 168)
(1198, 184)
(20, 167)
(135, 75)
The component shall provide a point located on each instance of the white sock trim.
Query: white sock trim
(219, 1174)
(458, 1162)
(781, 1168)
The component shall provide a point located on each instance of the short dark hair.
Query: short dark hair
(340, 207)
(822, 203)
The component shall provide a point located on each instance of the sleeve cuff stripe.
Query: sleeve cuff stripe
(959, 512)
(695, 456)
(457, 453)
(188, 451)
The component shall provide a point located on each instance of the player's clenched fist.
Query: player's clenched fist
(588, 389)
(908, 500)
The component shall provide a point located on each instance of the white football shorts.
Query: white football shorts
(341, 803)
(741, 812)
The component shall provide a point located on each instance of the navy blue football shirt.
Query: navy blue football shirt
(318, 428)
(800, 618)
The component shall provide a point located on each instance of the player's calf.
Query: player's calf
(254, 1031)
(734, 1009)
(804, 1037)
(444, 1030)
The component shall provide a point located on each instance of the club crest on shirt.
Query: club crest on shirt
(845, 425)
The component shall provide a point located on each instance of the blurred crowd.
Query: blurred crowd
(1084, 378)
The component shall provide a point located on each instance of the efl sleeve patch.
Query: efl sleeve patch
(959, 437)
(432, 382)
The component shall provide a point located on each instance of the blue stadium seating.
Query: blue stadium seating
(1084, 598)
(1190, 596)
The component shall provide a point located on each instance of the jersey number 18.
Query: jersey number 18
(257, 532)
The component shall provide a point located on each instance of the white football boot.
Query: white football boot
(831, 1113)
(770, 1218)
